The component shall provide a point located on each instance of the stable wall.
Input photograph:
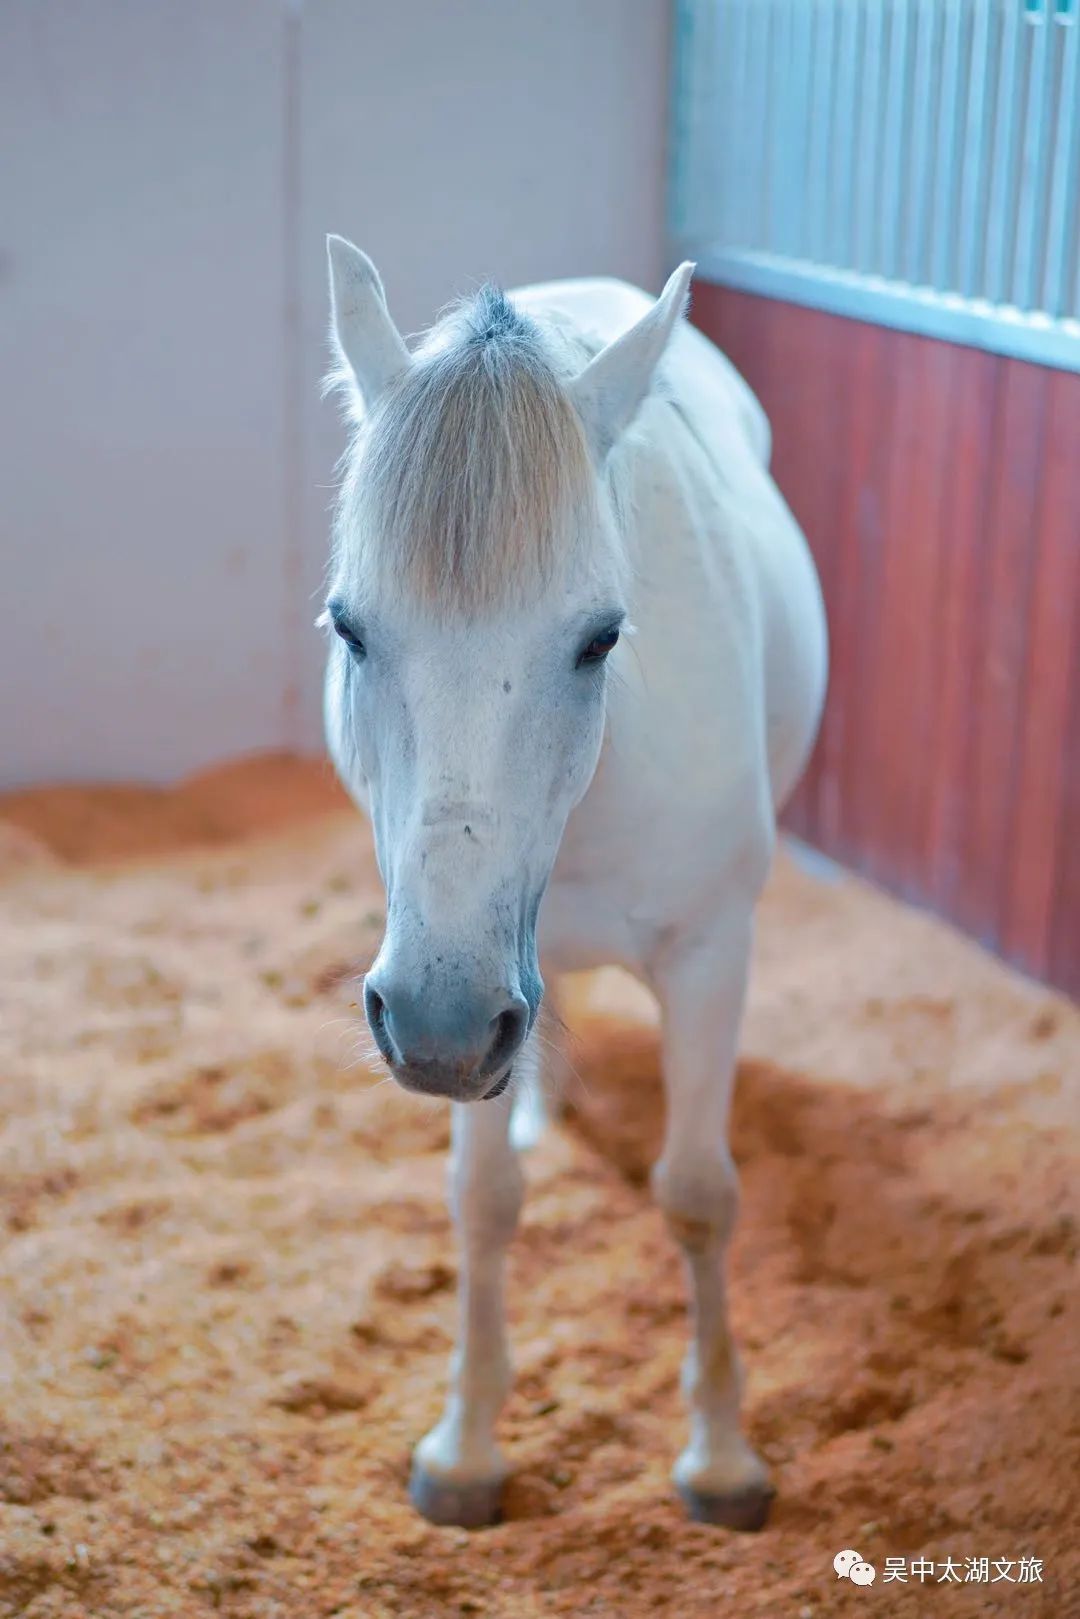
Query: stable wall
(170, 173)
(939, 487)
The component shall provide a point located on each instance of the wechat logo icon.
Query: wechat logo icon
(849, 1565)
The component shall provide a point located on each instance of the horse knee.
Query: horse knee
(699, 1197)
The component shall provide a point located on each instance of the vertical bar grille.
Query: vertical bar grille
(923, 154)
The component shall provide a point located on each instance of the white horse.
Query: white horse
(580, 661)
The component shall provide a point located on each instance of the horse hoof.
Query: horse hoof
(474, 1505)
(746, 1509)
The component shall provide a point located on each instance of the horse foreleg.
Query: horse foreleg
(702, 990)
(458, 1470)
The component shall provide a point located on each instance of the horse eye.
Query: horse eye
(353, 642)
(598, 648)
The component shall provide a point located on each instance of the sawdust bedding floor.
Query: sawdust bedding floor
(227, 1279)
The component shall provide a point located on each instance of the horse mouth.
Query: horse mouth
(499, 1086)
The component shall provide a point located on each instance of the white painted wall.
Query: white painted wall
(169, 173)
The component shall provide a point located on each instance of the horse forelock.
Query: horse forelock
(472, 478)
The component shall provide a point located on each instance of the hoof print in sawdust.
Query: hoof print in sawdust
(532, 1495)
(588, 1431)
(656, 1308)
(36, 1467)
(130, 983)
(25, 1578)
(424, 1337)
(866, 1405)
(409, 1217)
(1060, 1238)
(22, 1196)
(322, 1397)
(229, 1273)
(214, 1098)
(408, 1283)
(1045, 1024)
(217, 1583)
(133, 1215)
(415, 1131)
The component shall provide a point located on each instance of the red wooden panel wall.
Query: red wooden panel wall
(940, 489)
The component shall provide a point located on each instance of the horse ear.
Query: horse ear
(370, 348)
(613, 384)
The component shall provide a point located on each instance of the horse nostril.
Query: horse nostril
(508, 1031)
(375, 1012)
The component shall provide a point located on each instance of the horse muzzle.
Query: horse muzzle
(462, 1048)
